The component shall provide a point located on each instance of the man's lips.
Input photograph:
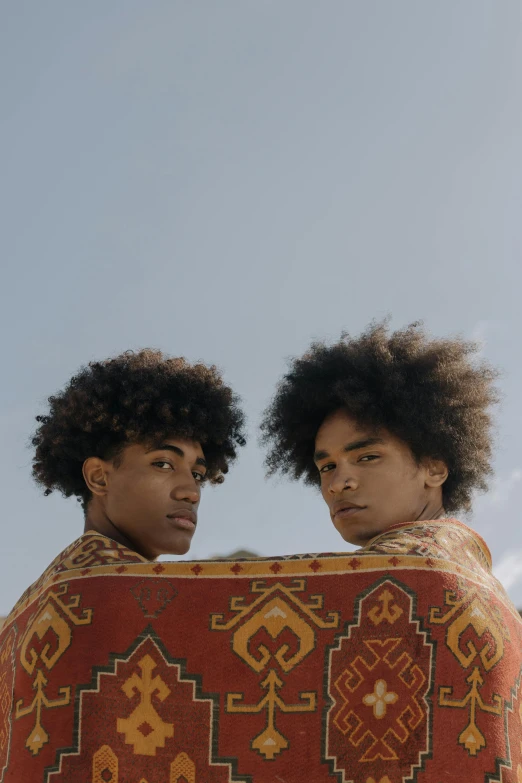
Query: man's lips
(185, 519)
(345, 510)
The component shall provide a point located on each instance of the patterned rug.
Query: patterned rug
(401, 662)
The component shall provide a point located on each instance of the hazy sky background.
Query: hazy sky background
(229, 180)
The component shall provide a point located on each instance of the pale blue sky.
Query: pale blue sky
(228, 180)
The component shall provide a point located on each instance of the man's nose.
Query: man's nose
(188, 490)
(341, 480)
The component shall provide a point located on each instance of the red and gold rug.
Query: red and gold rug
(401, 662)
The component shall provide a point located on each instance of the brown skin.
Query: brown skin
(377, 474)
(148, 498)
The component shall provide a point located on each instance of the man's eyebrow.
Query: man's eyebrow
(176, 450)
(357, 444)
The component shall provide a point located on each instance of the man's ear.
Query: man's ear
(436, 472)
(96, 475)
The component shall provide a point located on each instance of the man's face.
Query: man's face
(370, 479)
(153, 495)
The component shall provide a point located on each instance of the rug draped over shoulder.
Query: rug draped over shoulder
(399, 662)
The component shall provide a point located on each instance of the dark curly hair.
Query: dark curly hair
(433, 394)
(136, 397)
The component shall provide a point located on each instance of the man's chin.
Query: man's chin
(354, 540)
(180, 546)
(354, 534)
(349, 536)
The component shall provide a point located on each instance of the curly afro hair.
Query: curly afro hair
(433, 394)
(136, 397)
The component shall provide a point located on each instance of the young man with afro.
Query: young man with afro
(134, 438)
(395, 431)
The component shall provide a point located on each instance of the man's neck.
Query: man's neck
(97, 520)
(433, 509)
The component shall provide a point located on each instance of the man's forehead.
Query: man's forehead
(342, 422)
(177, 441)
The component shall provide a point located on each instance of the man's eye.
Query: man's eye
(369, 457)
(161, 464)
(198, 476)
(326, 468)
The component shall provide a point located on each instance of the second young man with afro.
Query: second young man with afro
(393, 428)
